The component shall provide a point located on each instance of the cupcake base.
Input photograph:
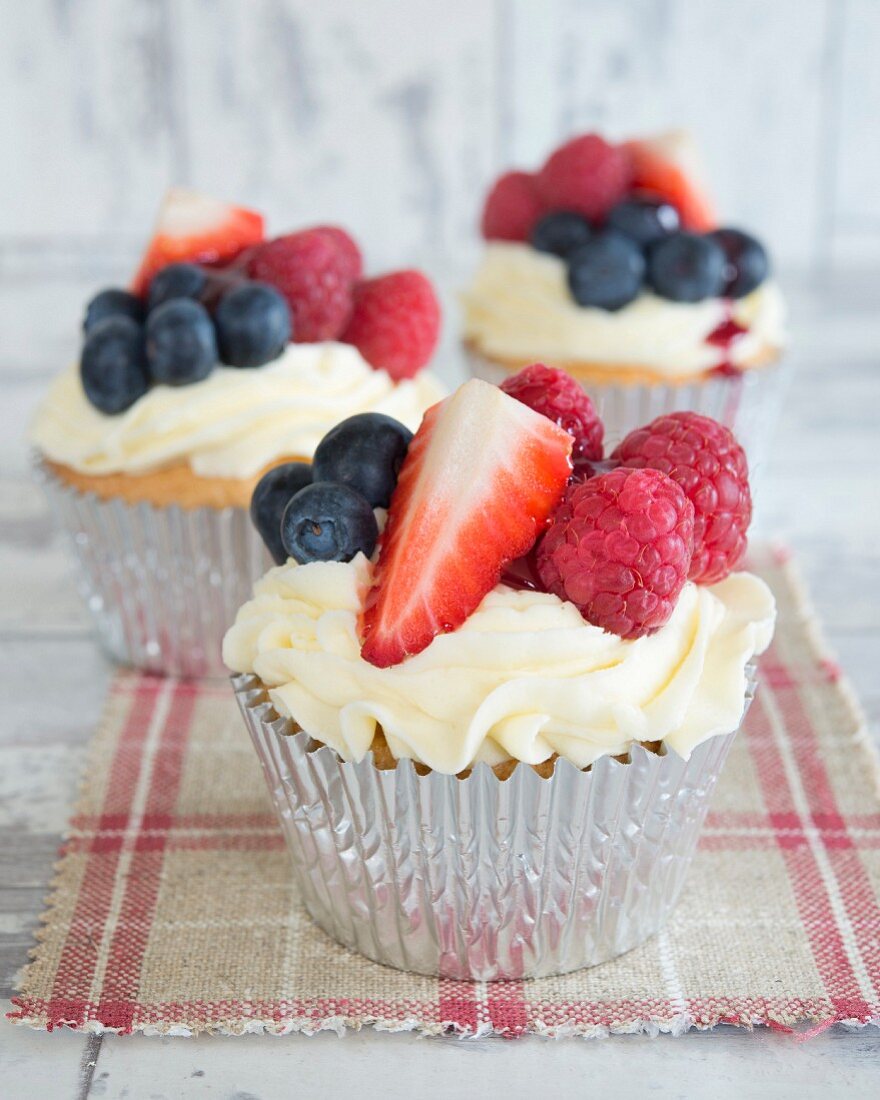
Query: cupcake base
(478, 877)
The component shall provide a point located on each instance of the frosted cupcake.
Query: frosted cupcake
(229, 356)
(609, 262)
(491, 734)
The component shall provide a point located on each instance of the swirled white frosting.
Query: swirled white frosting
(519, 307)
(524, 677)
(233, 423)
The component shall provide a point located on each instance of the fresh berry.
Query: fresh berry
(177, 281)
(112, 303)
(687, 268)
(586, 175)
(328, 522)
(512, 208)
(272, 494)
(667, 167)
(560, 233)
(619, 549)
(181, 346)
(197, 228)
(253, 325)
(364, 452)
(481, 477)
(644, 221)
(347, 248)
(113, 367)
(747, 262)
(704, 458)
(312, 273)
(555, 394)
(395, 322)
(607, 271)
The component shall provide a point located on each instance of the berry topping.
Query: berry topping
(512, 208)
(666, 167)
(644, 221)
(271, 496)
(364, 452)
(181, 347)
(253, 325)
(350, 255)
(482, 476)
(747, 262)
(606, 272)
(704, 458)
(313, 274)
(328, 522)
(395, 322)
(112, 303)
(199, 228)
(586, 175)
(555, 394)
(687, 268)
(113, 366)
(619, 549)
(560, 233)
(177, 281)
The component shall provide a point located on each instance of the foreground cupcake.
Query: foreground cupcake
(229, 355)
(609, 262)
(491, 742)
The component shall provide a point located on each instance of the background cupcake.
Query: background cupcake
(610, 263)
(230, 354)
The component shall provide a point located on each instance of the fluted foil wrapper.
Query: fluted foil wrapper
(162, 584)
(749, 402)
(479, 878)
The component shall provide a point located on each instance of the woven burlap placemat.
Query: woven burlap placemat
(173, 908)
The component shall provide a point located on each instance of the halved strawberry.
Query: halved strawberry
(196, 228)
(668, 166)
(479, 482)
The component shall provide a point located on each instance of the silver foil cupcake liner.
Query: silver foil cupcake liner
(749, 402)
(162, 584)
(480, 878)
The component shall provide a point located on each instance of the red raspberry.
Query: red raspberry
(512, 208)
(704, 458)
(619, 548)
(348, 248)
(586, 175)
(313, 274)
(556, 395)
(395, 322)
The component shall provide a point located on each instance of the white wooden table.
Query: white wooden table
(820, 494)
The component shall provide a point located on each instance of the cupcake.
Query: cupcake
(491, 732)
(229, 355)
(610, 263)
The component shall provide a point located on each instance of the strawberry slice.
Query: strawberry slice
(668, 166)
(196, 228)
(479, 482)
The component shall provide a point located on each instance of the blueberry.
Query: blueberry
(181, 347)
(687, 268)
(113, 366)
(365, 452)
(326, 521)
(560, 233)
(606, 272)
(747, 262)
(271, 496)
(176, 281)
(643, 220)
(253, 325)
(112, 303)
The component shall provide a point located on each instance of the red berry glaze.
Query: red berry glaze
(481, 477)
(395, 322)
(619, 548)
(555, 394)
(512, 208)
(586, 175)
(313, 274)
(704, 458)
